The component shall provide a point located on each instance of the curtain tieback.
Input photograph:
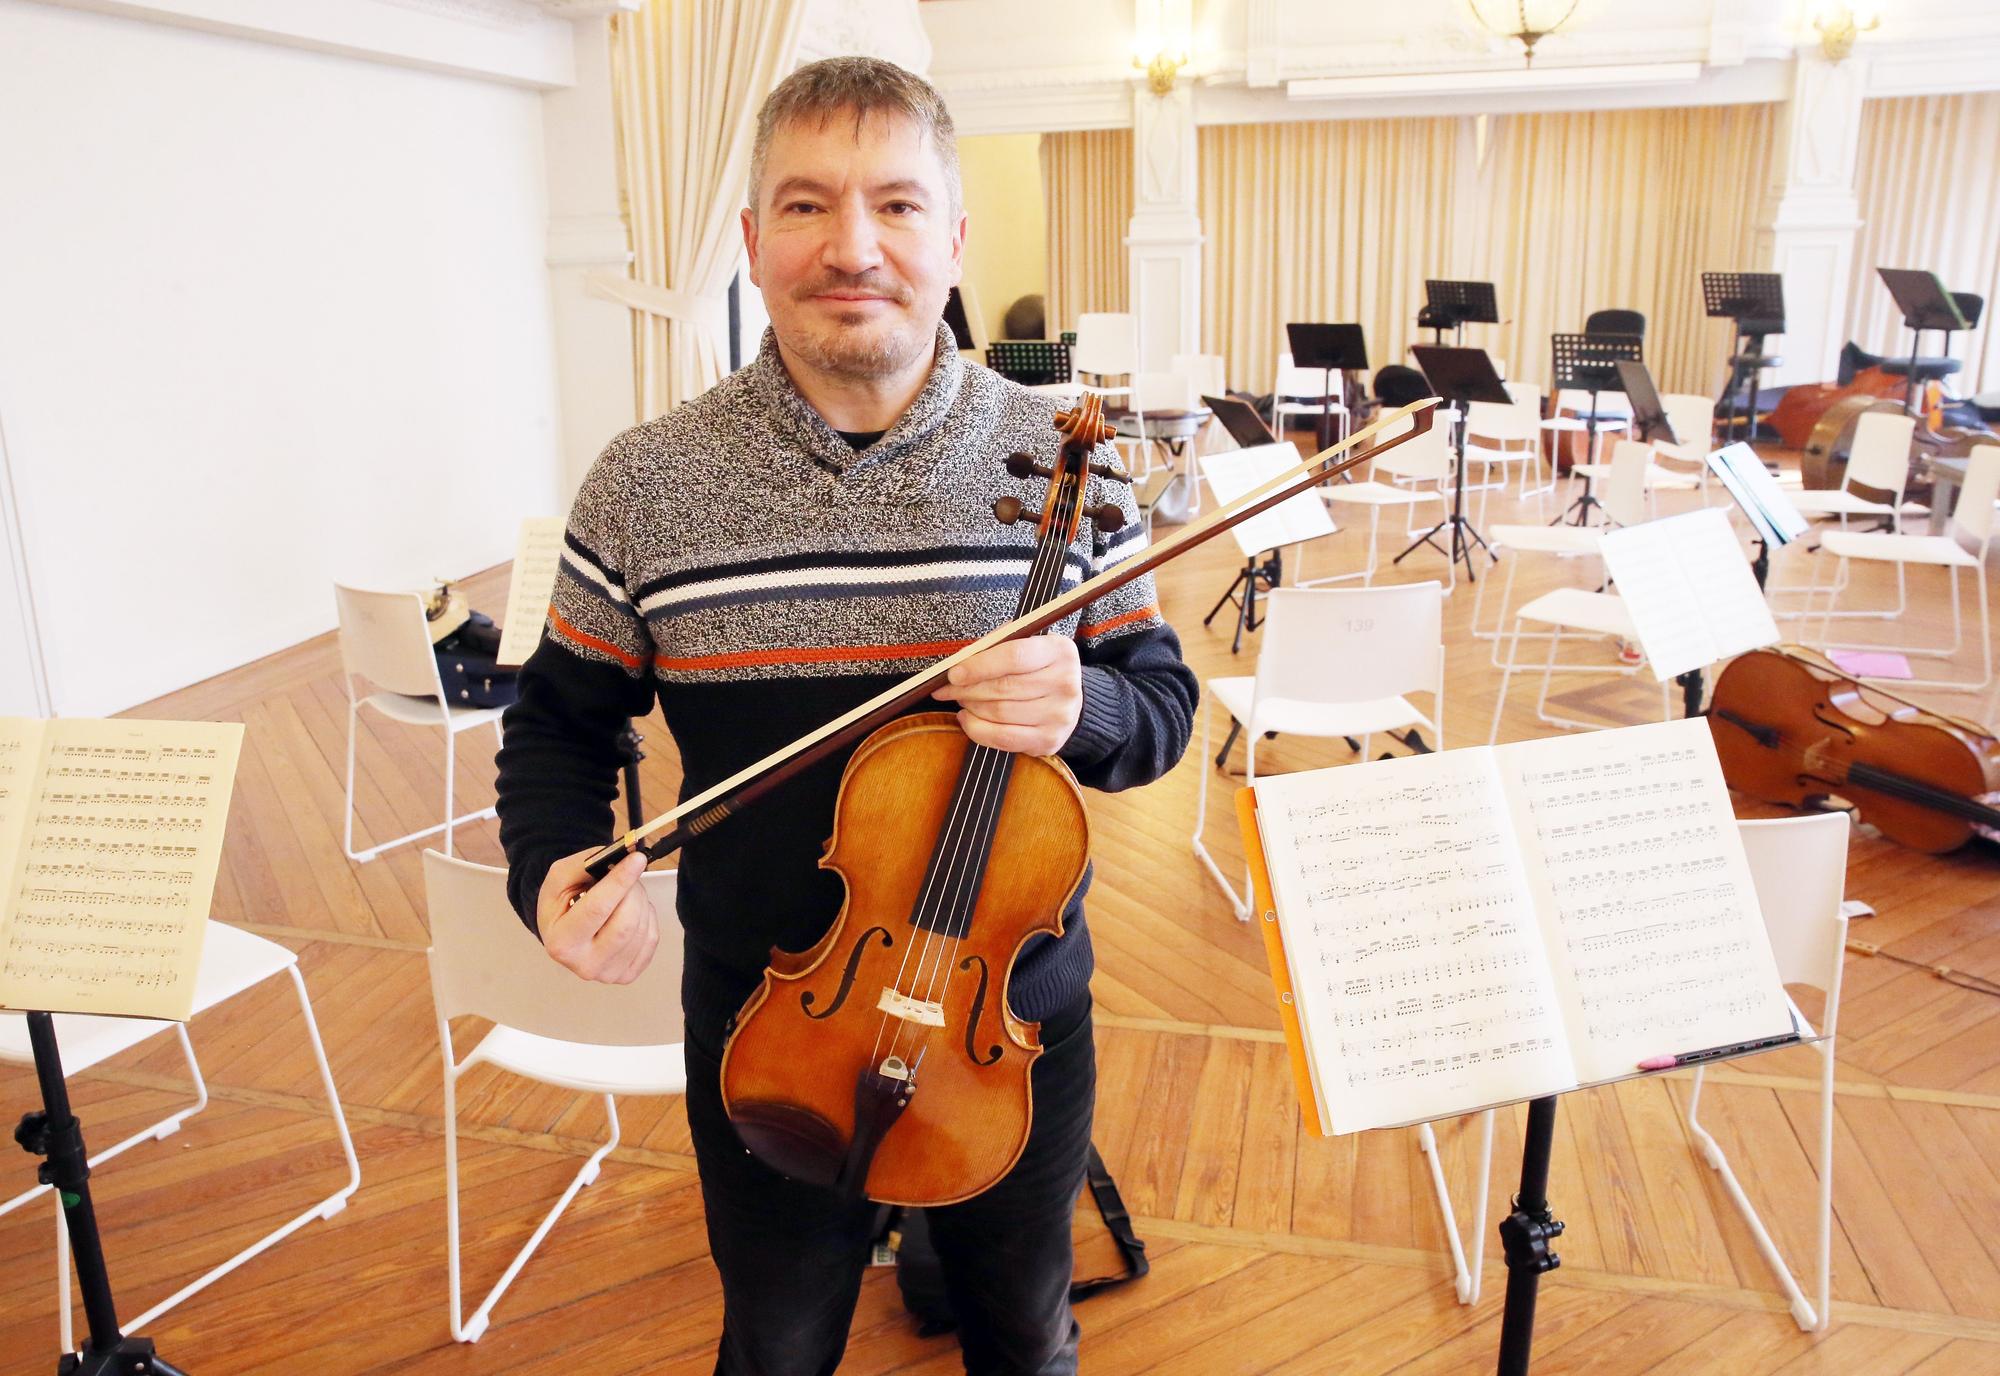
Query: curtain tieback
(695, 308)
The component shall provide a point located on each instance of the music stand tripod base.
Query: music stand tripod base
(1459, 377)
(54, 1132)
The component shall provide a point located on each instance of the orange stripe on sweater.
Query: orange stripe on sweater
(1105, 627)
(585, 638)
(742, 659)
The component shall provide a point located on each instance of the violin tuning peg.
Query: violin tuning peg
(1024, 466)
(1008, 510)
(1108, 517)
(1111, 471)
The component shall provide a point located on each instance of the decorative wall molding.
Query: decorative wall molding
(1969, 63)
(515, 42)
(1039, 109)
(888, 29)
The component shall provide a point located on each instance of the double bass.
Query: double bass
(884, 1060)
(1789, 729)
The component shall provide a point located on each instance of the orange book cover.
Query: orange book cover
(1264, 913)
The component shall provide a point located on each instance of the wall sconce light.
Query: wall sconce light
(1161, 46)
(1839, 25)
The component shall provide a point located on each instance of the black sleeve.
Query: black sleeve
(559, 762)
(1138, 709)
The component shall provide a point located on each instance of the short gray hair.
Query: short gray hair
(861, 86)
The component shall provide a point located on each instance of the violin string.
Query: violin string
(986, 787)
(962, 826)
(1050, 581)
(984, 797)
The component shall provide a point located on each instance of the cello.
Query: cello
(884, 1060)
(1788, 729)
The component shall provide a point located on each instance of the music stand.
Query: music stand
(1925, 305)
(1588, 363)
(1241, 420)
(1459, 377)
(1332, 349)
(1647, 413)
(1450, 304)
(1756, 302)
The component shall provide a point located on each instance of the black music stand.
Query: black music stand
(1241, 420)
(55, 1133)
(1925, 305)
(1452, 305)
(1647, 413)
(1588, 363)
(1460, 377)
(1332, 349)
(1756, 302)
(1030, 362)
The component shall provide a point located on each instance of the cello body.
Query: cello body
(1787, 731)
(967, 1124)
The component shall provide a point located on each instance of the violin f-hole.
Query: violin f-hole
(847, 976)
(978, 1009)
(1819, 708)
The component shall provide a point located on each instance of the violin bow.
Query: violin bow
(671, 830)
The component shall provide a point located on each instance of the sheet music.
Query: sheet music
(1414, 948)
(1774, 514)
(531, 587)
(1689, 591)
(1236, 473)
(20, 765)
(116, 869)
(1652, 920)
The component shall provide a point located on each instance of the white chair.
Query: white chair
(1879, 458)
(1206, 375)
(1497, 436)
(1798, 866)
(1425, 459)
(1107, 346)
(548, 1025)
(1624, 503)
(1683, 465)
(1305, 392)
(1964, 548)
(1335, 662)
(385, 639)
(1572, 412)
(232, 961)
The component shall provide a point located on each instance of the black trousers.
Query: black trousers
(792, 1255)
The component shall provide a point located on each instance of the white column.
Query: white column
(1163, 241)
(1811, 214)
(593, 336)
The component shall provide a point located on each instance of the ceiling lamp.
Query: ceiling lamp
(1527, 22)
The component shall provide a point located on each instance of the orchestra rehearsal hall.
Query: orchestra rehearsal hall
(1022, 687)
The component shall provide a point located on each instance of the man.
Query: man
(810, 531)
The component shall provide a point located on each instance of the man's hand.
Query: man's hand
(1024, 696)
(604, 931)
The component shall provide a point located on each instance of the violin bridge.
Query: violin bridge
(898, 1005)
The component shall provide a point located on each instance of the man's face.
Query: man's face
(854, 244)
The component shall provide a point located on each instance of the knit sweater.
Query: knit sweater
(739, 563)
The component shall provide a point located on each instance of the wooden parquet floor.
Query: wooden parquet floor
(1273, 1251)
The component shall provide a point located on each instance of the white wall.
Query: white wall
(267, 316)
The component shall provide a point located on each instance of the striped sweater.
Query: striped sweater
(741, 564)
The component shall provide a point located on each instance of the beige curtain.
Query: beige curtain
(1929, 187)
(1087, 187)
(1335, 220)
(687, 78)
(1619, 208)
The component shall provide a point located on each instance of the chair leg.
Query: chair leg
(325, 1208)
(450, 766)
(1465, 1255)
(1238, 903)
(586, 1174)
(1506, 678)
(1802, 1310)
(348, 833)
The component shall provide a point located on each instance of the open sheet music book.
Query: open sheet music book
(1476, 927)
(110, 837)
(1689, 589)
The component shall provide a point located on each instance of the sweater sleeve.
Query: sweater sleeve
(562, 739)
(1139, 697)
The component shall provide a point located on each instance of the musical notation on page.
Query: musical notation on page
(112, 838)
(531, 587)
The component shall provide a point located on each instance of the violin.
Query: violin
(884, 1061)
(898, 1017)
(1788, 728)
